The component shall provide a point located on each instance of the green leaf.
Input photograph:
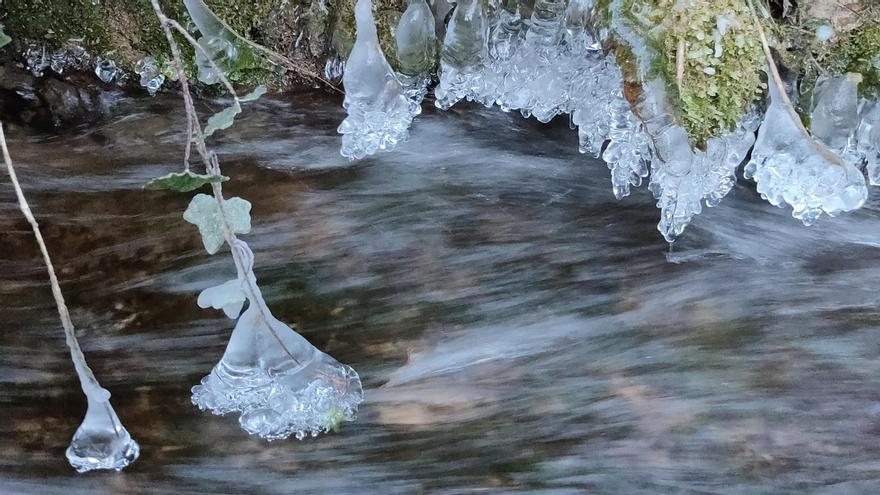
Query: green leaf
(183, 181)
(204, 213)
(255, 94)
(222, 119)
(5, 39)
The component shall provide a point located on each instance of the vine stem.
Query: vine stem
(88, 382)
(212, 165)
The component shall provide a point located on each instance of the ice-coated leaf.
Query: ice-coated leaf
(204, 213)
(4, 38)
(255, 94)
(222, 119)
(183, 181)
(227, 296)
(277, 382)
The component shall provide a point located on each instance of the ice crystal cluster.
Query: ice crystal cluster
(791, 168)
(379, 108)
(546, 59)
(416, 46)
(273, 378)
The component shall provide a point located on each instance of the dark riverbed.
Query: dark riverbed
(516, 328)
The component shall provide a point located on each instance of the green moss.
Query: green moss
(859, 52)
(715, 91)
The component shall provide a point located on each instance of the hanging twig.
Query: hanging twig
(89, 383)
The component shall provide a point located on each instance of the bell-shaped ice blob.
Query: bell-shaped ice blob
(416, 48)
(101, 442)
(791, 167)
(464, 58)
(274, 378)
(379, 111)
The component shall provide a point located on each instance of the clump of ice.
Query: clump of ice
(416, 48)
(151, 77)
(792, 168)
(101, 442)
(105, 69)
(835, 116)
(219, 50)
(278, 383)
(464, 58)
(379, 111)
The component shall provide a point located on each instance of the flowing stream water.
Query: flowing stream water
(517, 328)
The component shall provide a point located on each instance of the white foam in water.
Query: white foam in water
(274, 378)
(379, 111)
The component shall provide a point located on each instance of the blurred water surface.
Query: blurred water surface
(516, 328)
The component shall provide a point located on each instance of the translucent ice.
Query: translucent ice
(835, 116)
(105, 70)
(379, 111)
(101, 442)
(464, 58)
(416, 41)
(219, 50)
(416, 48)
(684, 178)
(868, 138)
(151, 77)
(278, 383)
(792, 168)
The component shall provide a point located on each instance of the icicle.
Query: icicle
(100, 442)
(834, 116)
(791, 167)
(464, 57)
(379, 112)
(279, 383)
(416, 48)
(682, 178)
(868, 138)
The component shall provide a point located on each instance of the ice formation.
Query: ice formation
(150, 75)
(379, 111)
(278, 383)
(100, 442)
(416, 48)
(543, 59)
(105, 70)
(464, 58)
(868, 138)
(792, 168)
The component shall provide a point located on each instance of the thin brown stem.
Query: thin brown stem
(89, 383)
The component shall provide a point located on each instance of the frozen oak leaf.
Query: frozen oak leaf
(204, 213)
(227, 296)
(183, 181)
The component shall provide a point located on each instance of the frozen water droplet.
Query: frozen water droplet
(379, 112)
(101, 442)
(105, 70)
(151, 78)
